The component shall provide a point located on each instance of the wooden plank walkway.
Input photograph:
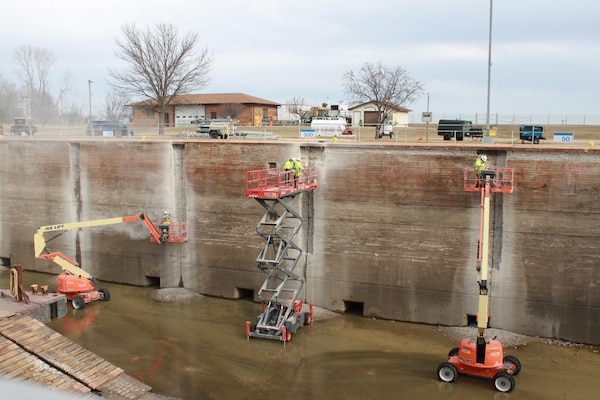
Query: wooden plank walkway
(32, 352)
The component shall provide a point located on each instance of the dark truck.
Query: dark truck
(108, 128)
(458, 129)
(22, 127)
(529, 132)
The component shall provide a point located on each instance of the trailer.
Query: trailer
(215, 128)
(531, 132)
(330, 127)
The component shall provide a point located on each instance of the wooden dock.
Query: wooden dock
(31, 352)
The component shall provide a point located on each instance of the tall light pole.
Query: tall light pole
(427, 123)
(90, 95)
(487, 114)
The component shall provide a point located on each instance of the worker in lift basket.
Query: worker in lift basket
(289, 168)
(297, 171)
(165, 224)
(480, 166)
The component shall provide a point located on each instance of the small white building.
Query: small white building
(366, 114)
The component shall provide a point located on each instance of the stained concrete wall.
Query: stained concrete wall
(389, 227)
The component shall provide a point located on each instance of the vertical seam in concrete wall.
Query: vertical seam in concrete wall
(179, 180)
(498, 221)
(76, 201)
(180, 200)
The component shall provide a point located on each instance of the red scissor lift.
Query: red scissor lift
(283, 312)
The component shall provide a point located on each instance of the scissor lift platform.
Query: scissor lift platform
(283, 312)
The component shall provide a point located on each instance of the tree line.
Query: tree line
(35, 95)
(161, 64)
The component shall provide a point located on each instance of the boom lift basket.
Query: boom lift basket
(502, 179)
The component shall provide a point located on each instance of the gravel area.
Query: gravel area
(507, 338)
(457, 333)
(321, 314)
(176, 295)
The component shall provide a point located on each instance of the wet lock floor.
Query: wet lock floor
(199, 351)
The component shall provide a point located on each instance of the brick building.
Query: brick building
(188, 107)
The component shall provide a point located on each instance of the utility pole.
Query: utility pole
(487, 117)
(90, 95)
(427, 123)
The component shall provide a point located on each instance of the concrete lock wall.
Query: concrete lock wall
(388, 228)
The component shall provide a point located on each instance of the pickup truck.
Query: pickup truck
(527, 132)
(458, 129)
(22, 127)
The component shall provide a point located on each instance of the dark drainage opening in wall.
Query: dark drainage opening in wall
(471, 321)
(353, 307)
(241, 293)
(5, 261)
(153, 281)
(53, 310)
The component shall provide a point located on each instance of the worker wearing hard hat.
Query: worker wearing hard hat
(297, 171)
(165, 224)
(289, 168)
(479, 166)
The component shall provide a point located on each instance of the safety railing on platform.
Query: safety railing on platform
(275, 182)
(501, 179)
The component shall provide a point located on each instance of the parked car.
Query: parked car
(108, 128)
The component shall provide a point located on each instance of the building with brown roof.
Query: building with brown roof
(188, 107)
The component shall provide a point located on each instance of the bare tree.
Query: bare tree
(33, 69)
(383, 86)
(116, 104)
(72, 112)
(297, 107)
(231, 110)
(160, 65)
(8, 100)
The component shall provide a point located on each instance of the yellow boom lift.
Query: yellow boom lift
(77, 284)
(482, 357)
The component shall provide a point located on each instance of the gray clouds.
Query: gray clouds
(545, 55)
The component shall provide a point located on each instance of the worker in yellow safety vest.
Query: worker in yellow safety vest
(297, 170)
(165, 224)
(289, 168)
(479, 166)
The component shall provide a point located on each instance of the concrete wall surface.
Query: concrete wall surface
(389, 228)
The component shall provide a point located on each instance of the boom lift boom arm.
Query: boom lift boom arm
(67, 263)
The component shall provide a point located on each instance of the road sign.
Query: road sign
(563, 137)
(426, 116)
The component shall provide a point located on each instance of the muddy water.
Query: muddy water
(199, 351)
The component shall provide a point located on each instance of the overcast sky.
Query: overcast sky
(545, 54)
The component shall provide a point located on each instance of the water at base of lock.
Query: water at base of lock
(199, 350)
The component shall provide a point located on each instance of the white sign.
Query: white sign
(307, 133)
(426, 116)
(563, 137)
